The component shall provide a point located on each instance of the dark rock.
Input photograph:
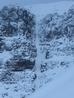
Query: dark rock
(20, 64)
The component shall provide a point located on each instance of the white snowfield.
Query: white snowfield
(62, 87)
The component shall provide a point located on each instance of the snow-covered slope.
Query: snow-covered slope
(62, 84)
(57, 77)
(61, 87)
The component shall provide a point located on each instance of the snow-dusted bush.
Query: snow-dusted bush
(55, 26)
(17, 31)
(50, 27)
(2, 44)
(23, 54)
(16, 20)
(7, 77)
(44, 67)
(68, 23)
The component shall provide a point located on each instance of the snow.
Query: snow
(61, 87)
(41, 10)
(61, 84)
(5, 56)
(21, 87)
(56, 83)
